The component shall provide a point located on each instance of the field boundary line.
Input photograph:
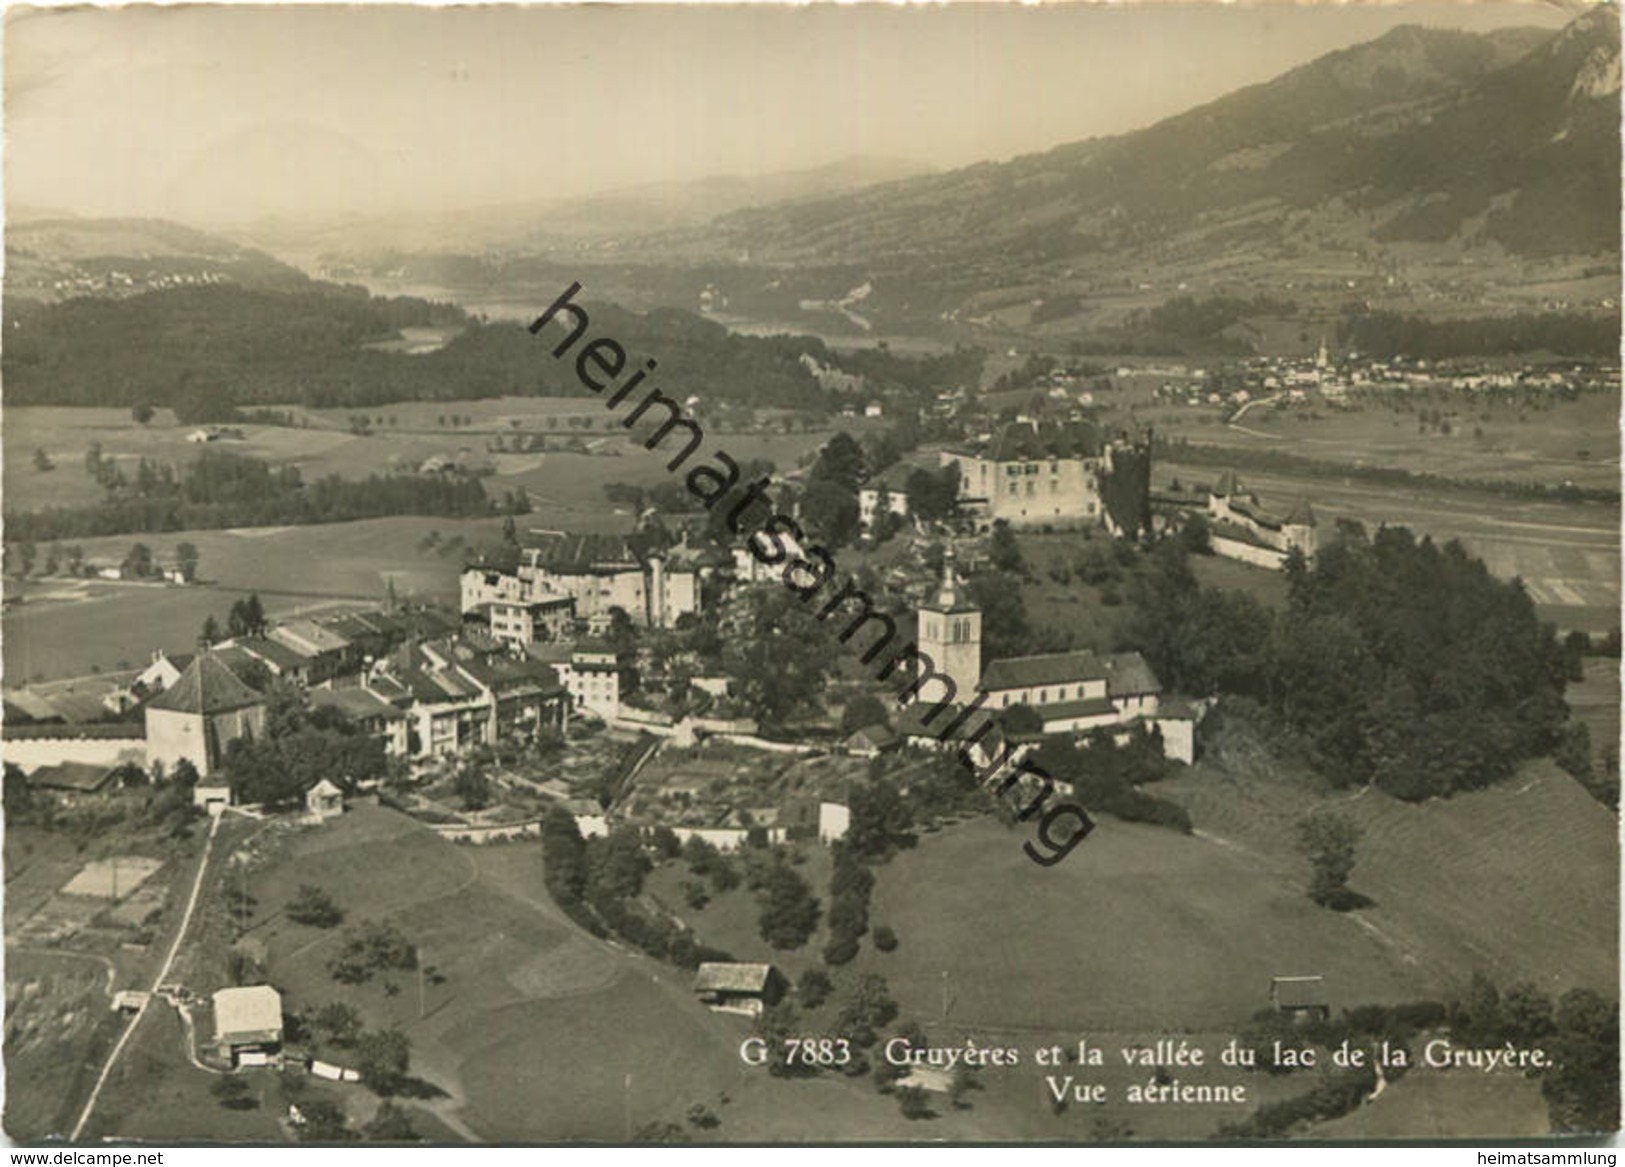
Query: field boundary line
(163, 973)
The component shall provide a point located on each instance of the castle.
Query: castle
(1035, 474)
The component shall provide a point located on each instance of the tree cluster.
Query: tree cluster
(1397, 662)
(277, 771)
(229, 490)
(1107, 776)
(597, 883)
(374, 947)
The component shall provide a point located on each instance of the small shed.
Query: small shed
(130, 1000)
(72, 778)
(248, 1019)
(738, 987)
(1300, 996)
(871, 741)
(325, 799)
(211, 797)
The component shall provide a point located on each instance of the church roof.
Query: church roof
(1227, 485)
(1128, 675)
(206, 687)
(1056, 668)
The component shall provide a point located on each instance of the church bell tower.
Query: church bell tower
(950, 633)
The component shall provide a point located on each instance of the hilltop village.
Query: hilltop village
(563, 635)
(1044, 638)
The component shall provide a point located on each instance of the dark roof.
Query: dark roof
(1054, 668)
(1128, 675)
(912, 723)
(506, 675)
(719, 977)
(99, 730)
(1025, 441)
(871, 737)
(355, 703)
(1062, 710)
(206, 687)
(75, 776)
(576, 553)
(1227, 484)
(1300, 515)
(274, 653)
(895, 477)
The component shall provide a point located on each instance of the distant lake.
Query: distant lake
(513, 304)
(416, 341)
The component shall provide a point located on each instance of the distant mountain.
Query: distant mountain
(1423, 136)
(600, 218)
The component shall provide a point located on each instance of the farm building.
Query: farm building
(1301, 996)
(247, 1020)
(72, 778)
(736, 987)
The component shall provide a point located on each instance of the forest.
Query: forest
(1396, 662)
(1390, 334)
(208, 352)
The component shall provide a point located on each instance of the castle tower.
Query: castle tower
(1298, 529)
(950, 633)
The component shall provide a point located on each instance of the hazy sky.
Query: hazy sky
(228, 113)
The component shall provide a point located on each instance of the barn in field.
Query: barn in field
(247, 1022)
(738, 987)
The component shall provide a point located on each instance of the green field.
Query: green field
(67, 628)
(1426, 1105)
(1519, 881)
(1568, 440)
(568, 487)
(1595, 701)
(1566, 554)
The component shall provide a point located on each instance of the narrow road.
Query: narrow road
(163, 974)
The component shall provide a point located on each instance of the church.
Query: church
(1071, 692)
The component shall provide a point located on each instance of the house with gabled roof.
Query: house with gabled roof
(201, 714)
(330, 654)
(737, 986)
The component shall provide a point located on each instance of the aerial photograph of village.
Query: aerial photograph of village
(802, 575)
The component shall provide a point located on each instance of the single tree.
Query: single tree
(383, 1057)
(138, 563)
(186, 559)
(1329, 838)
(313, 907)
(232, 1092)
(789, 912)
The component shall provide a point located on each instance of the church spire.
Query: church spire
(948, 593)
